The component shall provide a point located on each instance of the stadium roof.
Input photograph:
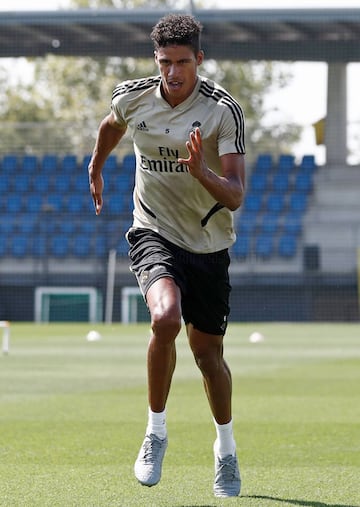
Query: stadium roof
(331, 35)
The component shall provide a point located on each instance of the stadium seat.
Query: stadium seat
(33, 203)
(100, 245)
(69, 164)
(27, 224)
(275, 202)
(82, 246)
(298, 202)
(252, 202)
(280, 182)
(66, 225)
(247, 222)
(258, 182)
(49, 163)
(292, 223)
(264, 246)
(29, 164)
(242, 247)
(3, 246)
(122, 246)
(62, 182)
(59, 245)
(4, 183)
(303, 182)
(287, 245)
(39, 246)
(85, 163)
(286, 163)
(111, 164)
(41, 183)
(308, 163)
(74, 202)
(54, 202)
(21, 182)
(7, 223)
(270, 223)
(20, 245)
(264, 163)
(81, 183)
(13, 203)
(121, 182)
(128, 163)
(10, 164)
(115, 203)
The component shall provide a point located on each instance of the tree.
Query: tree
(69, 96)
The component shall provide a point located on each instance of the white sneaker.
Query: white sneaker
(227, 476)
(148, 465)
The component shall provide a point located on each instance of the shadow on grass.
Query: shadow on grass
(303, 503)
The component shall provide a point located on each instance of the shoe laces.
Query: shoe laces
(151, 448)
(227, 468)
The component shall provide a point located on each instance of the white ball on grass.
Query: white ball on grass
(256, 337)
(93, 336)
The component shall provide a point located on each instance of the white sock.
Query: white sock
(156, 423)
(225, 443)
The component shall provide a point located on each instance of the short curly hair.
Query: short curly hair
(178, 29)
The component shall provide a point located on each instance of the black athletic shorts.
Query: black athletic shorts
(203, 279)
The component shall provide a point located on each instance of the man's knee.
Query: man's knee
(165, 323)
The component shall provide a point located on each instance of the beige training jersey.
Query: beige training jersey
(167, 199)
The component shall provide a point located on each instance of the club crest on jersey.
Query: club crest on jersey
(194, 126)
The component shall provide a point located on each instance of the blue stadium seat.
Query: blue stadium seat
(264, 246)
(66, 225)
(308, 163)
(27, 223)
(20, 245)
(280, 182)
(54, 202)
(21, 182)
(41, 183)
(115, 203)
(62, 182)
(39, 245)
(74, 202)
(111, 163)
(13, 203)
(275, 202)
(59, 245)
(287, 245)
(298, 202)
(270, 223)
(247, 222)
(129, 162)
(85, 163)
(286, 163)
(29, 164)
(121, 182)
(3, 246)
(252, 202)
(122, 246)
(49, 163)
(264, 163)
(292, 223)
(100, 245)
(9, 164)
(81, 182)
(258, 182)
(4, 183)
(7, 223)
(303, 182)
(242, 247)
(33, 203)
(69, 164)
(82, 246)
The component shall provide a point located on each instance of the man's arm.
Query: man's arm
(109, 135)
(227, 189)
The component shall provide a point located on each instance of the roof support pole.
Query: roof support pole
(336, 118)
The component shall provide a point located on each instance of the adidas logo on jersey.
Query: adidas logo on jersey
(142, 126)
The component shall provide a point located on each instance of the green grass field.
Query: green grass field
(73, 415)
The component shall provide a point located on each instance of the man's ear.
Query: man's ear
(200, 57)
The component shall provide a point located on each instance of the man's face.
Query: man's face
(178, 69)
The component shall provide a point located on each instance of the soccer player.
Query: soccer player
(188, 135)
